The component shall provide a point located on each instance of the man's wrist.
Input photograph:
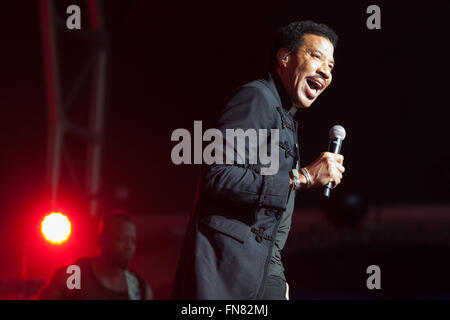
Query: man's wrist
(298, 180)
(303, 181)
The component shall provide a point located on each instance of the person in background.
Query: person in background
(106, 276)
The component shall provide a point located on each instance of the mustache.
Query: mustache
(321, 77)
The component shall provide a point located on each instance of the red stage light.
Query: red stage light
(56, 228)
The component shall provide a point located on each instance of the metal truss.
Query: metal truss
(59, 124)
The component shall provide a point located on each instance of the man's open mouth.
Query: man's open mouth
(313, 87)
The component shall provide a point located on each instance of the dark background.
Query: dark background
(173, 63)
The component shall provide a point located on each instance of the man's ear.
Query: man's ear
(283, 56)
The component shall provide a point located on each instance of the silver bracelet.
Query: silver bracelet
(296, 183)
(307, 176)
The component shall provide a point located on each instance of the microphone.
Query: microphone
(337, 136)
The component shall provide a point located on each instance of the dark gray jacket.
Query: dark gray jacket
(231, 232)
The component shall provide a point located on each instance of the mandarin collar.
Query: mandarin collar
(284, 98)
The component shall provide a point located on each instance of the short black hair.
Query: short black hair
(106, 222)
(291, 36)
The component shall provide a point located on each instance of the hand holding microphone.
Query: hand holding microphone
(328, 168)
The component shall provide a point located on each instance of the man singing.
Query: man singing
(241, 220)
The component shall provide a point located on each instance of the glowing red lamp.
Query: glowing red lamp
(56, 228)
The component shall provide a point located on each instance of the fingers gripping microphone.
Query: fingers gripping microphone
(337, 136)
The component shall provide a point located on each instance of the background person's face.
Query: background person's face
(308, 72)
(120, 244)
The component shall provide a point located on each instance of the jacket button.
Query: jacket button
(267, 212)
(259, 238)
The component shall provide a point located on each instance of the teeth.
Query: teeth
(315, 85)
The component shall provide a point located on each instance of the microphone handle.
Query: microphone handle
(334, 147)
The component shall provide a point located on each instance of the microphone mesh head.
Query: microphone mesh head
(337, 131)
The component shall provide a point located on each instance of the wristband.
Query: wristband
(296, 184)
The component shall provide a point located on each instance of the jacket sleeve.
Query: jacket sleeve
(248, 108)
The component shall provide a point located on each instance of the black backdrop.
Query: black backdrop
(172, 64)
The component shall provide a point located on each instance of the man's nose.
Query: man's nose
(324, 71)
